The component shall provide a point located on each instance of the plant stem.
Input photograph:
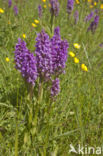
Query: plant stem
(40, 95)
(51, 22)
(16, 132)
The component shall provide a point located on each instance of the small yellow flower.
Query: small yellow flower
(71, 54)
(95, 3)
(77, 1)
(7, 59)
(49, 5)
(76, 60)
(9, 22)
(76, 45)
(91, 6)
(24, 36)
(45, 6)
(36, 21)
(89, 1)
(44, 1)
(101, 6)
(34, 25)
(84, 67)
(1, 11)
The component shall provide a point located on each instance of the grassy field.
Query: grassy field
(47, 128)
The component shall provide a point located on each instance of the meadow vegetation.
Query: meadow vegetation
(33, 122)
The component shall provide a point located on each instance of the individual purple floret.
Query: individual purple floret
(15, 10)
(25, 62)
(54, 9)
(9, 3)
(70, 5)
(89, 17)
(55, 87)
(94, 24)
(43, 55)
(101, 45)
(40, 11)
(59, 52)
(76, 16)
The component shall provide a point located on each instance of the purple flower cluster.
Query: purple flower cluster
(25, 62)
(59, 52)
(70, 5)
(51, 54)
(15, 10)
(49, 62)
(9, 3)
(89, 17)
(54, 9)
(40, 11)
(43, 55)
(94, 24)
(55, 89)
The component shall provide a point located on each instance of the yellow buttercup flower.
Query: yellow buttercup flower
(91, 6)
(9, 22)
(76, 45)
(49, 5)
(89, 1)
(36, 21)
(7, 59)
(77, 1)
(101, 6)
(84, 67)
(34, 25)
(71, 54)
(1, 11)
(45, 6)
(76, 60)
(44, 1)
(95, 3)
(24, 36)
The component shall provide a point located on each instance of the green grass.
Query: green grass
(31, 128)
